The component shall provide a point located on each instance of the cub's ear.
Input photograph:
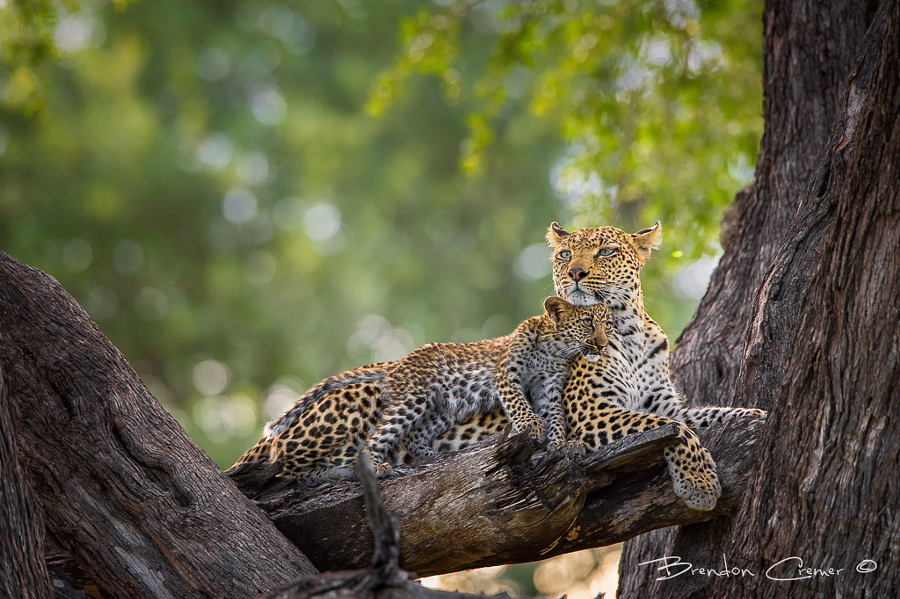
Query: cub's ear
(556, 307)
(556, 235)
(647, 240)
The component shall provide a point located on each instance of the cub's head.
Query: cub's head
(600, 264)
(580, 330)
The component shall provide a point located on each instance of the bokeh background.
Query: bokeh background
(251, 196)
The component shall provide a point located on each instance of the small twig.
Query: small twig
(384, 525)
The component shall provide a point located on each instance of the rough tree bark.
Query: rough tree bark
(818, 333)
(21, 523)
(503, 503)
(383, 578)
(143, 511)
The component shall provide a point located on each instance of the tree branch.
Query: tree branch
(384, 579)
(141, 509)
(501, 502)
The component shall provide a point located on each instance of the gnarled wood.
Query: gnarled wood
(821, 336)
(383, 579)
(24, 573)
(501, 503)
(825, 343)
(142, 509)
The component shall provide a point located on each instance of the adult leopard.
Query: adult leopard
(629, 390)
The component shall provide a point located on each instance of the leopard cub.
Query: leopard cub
(397, 409)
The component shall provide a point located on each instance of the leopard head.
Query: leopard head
(579, 330)
(600, 264)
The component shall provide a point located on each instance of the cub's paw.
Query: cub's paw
(569, 446)
(382, 468)
(533, 427)
(423, 453)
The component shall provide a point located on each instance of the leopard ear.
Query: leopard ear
(556, 307)
(556, 235)
(647, 240)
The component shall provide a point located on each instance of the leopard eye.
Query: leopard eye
(564, 255)
(605, 252)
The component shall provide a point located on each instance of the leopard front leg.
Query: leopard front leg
(556, 431)
(547, 394)
(397, 420)
(660, 397)
(508, 382)
(690, 465)
(693, 471)
(665, 401)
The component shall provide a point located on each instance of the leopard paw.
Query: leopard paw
(693, 473)
(533, 427)
(424, 453)
(382, 468)
(570, 446)
(699, 493)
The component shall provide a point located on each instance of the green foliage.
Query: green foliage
(27, 44)
(245, 206)
(659, 101)
(207, 183)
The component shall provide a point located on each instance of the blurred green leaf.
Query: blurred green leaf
(659, 102)
(273, 190)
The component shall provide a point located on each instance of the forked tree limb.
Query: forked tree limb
(502, 502)
(141, 509)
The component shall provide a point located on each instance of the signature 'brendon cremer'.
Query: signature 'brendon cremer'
(787, 569)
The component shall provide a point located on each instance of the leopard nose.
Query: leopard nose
(576, 274)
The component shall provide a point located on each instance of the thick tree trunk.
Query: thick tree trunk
(809, 50)
(143, 510)
(821, 349)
